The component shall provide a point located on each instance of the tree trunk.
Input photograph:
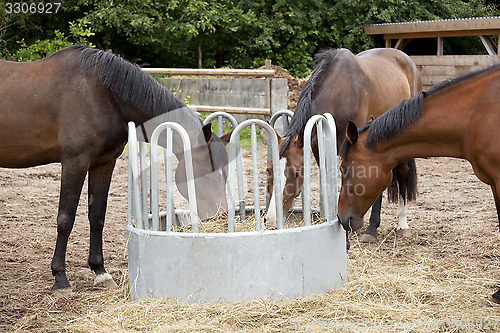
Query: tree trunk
(200, 58)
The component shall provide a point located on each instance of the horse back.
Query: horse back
(48, 108)
(391, 76)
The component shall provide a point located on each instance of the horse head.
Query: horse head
(210, 173)
(292, 175)
(209, 157)
(364, 178)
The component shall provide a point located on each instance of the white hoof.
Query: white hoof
(105, 280)
(403, 233)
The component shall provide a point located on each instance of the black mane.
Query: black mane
(303, 111)
(396, 120)
(127, 81)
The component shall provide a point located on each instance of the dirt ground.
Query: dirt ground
(454, 217)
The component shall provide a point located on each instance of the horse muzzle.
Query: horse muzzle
(350, 222)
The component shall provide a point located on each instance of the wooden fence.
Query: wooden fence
(253, 92)
(435, 69)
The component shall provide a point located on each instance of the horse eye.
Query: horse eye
(296, 175)
(343, 170)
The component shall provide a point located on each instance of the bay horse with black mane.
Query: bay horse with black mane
(350, 87)
(73, 107)
(458, 118)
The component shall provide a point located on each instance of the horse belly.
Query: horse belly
(25, 156)
(27, 141)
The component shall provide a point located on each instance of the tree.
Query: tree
(352, 15)
(237, 33)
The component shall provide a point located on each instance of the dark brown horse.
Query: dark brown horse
(350, 88)
(456, 119)
(73, 107)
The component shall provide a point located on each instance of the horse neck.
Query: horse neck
(340, 93)
(438, 132)
(183, 116)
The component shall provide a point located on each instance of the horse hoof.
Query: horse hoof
(403, 233)
(492, 301)
(368, 238)
(105, 280)
(62, 292)
(271, 226)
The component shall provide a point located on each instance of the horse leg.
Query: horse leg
(73, 175)
(495, 298)
(406, 187)
(403, 229)
(99, 181)
(370, 234)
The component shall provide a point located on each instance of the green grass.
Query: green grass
(245, 136)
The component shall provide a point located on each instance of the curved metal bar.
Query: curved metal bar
(136, 210)
(324, 199)
(272, 122)
(328, 163)
(144, 183)
(217, 115)
(279, 114)
(233, 151)
(331, 165)
(239, 165)
(189, 174)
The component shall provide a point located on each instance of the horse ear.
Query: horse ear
(207, 132)
(352, 132)
(278, 136)
(300, 138)
(226, 137)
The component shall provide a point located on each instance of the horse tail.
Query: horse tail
(404, 182)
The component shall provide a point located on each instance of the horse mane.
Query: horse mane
(303, 110)
(396, 120)
(400, 117)
(127, 81)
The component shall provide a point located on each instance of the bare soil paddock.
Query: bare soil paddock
(444, 272)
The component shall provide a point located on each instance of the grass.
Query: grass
(245, 136)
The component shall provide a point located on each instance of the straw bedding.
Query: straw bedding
(438, 280)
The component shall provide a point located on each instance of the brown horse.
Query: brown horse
(73, 107)
(456, 119)
(357, 88)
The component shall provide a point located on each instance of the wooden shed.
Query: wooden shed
(438, 67)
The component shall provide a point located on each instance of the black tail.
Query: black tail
(404, 182)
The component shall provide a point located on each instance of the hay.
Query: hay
(384, 294)
(219, 224)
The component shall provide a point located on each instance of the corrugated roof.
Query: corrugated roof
(443, 20)
(434, 28)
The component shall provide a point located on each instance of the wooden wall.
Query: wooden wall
(435, 69)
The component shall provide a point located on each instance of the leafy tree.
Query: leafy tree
(237, 33)
(32, 36)
(352, 15)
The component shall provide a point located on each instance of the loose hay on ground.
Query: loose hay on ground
(441, 276)
(384, 294)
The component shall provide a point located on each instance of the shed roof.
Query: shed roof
(438, 28)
